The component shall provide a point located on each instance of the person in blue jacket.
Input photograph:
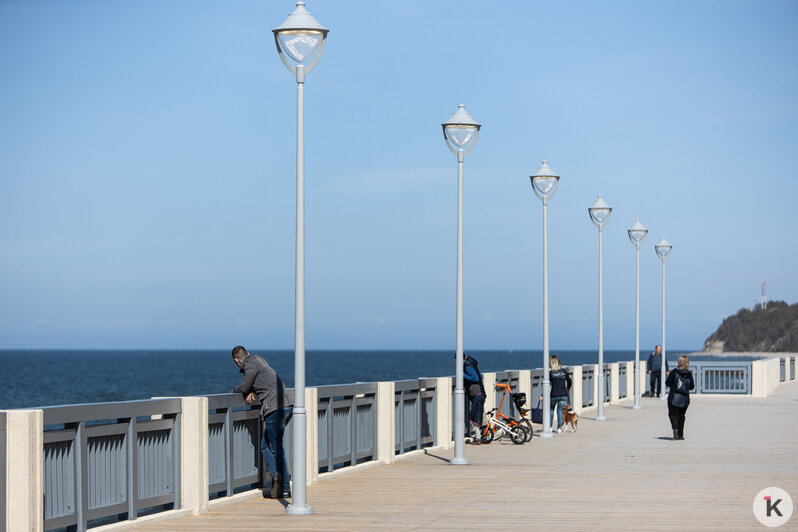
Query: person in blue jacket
(475, 391)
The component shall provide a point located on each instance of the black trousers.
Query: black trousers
(676, 416)
(655, 380)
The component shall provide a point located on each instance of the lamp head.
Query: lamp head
(600, 212)
(637, 233)
(301, 38)
(663, 249)
(461, 131)
(544, 182)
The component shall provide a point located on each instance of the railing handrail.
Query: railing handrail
(58, 415)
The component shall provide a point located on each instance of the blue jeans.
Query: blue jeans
(271, 444)
(556, 404)
(477, 407)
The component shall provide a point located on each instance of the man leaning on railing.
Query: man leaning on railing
(260, 382)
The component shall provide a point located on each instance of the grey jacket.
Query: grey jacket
(263, 381)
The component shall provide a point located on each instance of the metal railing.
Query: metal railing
(110, 461)
(792, 368)
(722, 377)
(588, 384)
(782, 370)
(607, 383)
(234, 439)
(347, 425)
(622, 392)
(414, 408)
(508, 407)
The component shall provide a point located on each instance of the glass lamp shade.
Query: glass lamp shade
(461, 130)
(300, 45)
(459, 135)
(545, 181)
(637, 233)
(600, 212)
(663, 248)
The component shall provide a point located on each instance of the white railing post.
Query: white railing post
(615, 381)
(194, 454)
(576, 389)
(489, 381)
(24, 470)
(630, 379)
(525, 385)
(386, 422)
(443, 412)
(312, 434)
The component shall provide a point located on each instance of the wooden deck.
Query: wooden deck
(621, 474)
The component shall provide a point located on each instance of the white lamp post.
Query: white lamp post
(600, 213)
(461, 132)
(663, 249)
(544, 183)
(637, 234)
(301, 38)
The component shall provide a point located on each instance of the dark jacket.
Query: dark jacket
(472, 377)
(263, 381)
(655, 362)
(686, 381)
(560, 382)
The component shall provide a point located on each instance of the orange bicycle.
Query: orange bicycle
(499, 425)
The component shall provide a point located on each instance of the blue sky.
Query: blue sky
(147, 171)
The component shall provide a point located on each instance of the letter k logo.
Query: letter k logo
(772, 506)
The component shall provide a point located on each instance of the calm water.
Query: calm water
(53, 377)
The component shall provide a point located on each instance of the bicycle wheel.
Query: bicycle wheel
(487, 433)
(528, 425)
(518, 435)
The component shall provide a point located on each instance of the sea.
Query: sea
(36, 378)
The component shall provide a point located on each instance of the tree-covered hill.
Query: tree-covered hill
(772, 329)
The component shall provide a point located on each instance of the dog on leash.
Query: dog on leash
(569, 415)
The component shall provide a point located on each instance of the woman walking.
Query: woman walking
(679, 382)
(560, 386)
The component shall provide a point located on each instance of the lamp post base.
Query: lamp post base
(636, 407)
(298, 509)
(546, 434)
(601, 418)
(459, 461)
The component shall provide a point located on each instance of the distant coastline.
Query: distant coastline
(748, 354)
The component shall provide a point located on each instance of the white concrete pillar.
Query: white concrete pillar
(525, 385)
(443, 412)
(643, 376)
(489, 381)
(312, 433)
(194, 454)
(614, 383)
(576, 389)
(630, 380)
(24, 470)
(757, 379)
(386, 422)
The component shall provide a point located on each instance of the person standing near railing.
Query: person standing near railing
(560, 388)
(475, 390)
(680, 381)
(260, 382)
(655, 362)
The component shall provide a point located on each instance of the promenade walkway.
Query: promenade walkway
(621, 474)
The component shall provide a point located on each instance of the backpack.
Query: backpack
(681, 392)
